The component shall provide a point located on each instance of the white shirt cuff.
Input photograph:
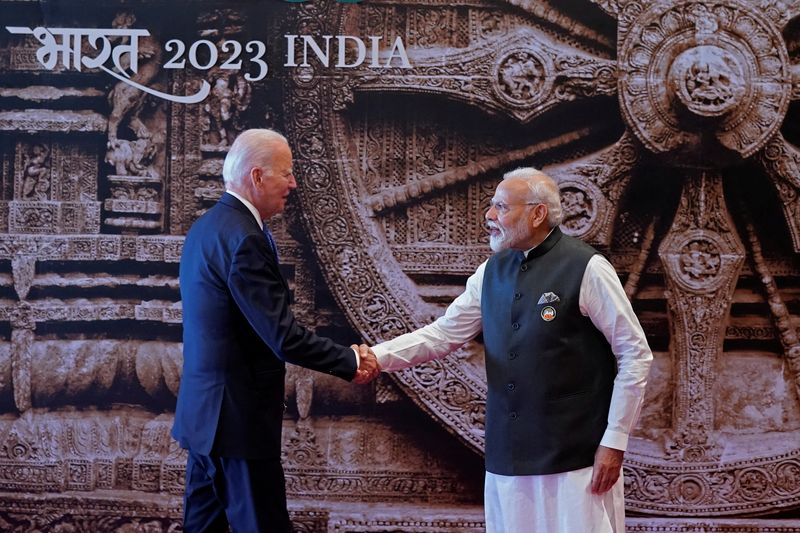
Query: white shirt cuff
(381, 354)
(615, 439)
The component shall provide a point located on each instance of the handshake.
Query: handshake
(368, 368)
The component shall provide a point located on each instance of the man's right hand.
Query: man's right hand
(368, 368)
(607, 469)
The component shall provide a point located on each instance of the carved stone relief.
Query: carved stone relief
(224, 113)
(55, 190)
(662, 122)
(694, 68)
(135, 146)
(701, 87)
(91, 364)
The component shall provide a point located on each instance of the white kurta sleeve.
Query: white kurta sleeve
(459, 324)
(603, 300)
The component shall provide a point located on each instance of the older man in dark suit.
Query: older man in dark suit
(238, 333)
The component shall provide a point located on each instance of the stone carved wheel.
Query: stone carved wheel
(662, 122)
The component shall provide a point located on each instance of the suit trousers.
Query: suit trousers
(249, 495)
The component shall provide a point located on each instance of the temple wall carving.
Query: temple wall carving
(669, 126)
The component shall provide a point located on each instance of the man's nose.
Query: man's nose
(491, 213)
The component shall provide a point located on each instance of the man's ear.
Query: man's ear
(256, 175)
(539, 214)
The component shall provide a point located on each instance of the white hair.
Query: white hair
(252, 147)
(542, 190)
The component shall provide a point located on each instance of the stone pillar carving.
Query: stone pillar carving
(702, 257)
(21, 341)
(302, 449)
(135, 146)
(23, 269)
(225, 111)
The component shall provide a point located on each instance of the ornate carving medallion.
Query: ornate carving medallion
(521, 77)
(700, 261)
(579, 202)
(708, 80)
(704, 83)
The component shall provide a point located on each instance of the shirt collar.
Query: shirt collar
(249, 206)
(526, 252)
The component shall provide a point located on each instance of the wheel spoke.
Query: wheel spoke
(391, 197)
(781, 316)
(781, 161)
(521, 76)
(635, 274)
(553, 16)
(702, 257)
(591, 188)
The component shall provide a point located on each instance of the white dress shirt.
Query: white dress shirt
(559, 502)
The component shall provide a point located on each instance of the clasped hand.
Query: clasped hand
(368, 369)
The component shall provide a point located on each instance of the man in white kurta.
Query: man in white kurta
(524, 211)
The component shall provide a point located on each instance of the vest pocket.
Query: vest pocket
(569, 396)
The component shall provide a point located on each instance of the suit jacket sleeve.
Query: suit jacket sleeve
(261, 294)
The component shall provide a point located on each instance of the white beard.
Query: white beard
(497, 242)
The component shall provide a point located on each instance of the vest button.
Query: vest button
(517, 295)
(524, 268)
(515, 325)
(513, 415)
(512, 355)
(511, 387)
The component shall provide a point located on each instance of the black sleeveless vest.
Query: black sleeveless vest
(550, 372)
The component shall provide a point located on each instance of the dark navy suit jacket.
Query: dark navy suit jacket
(238, 331)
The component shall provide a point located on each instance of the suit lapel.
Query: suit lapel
(233, 202)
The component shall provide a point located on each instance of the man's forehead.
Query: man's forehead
(510, 188)
(282, 147)
(283, 151)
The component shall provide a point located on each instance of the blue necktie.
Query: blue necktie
(271, 242)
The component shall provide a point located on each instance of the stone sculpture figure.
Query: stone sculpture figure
(36, 184)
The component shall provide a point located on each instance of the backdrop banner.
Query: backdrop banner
(666, 124)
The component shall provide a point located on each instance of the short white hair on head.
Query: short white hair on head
(252, 147)
(543, 189)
